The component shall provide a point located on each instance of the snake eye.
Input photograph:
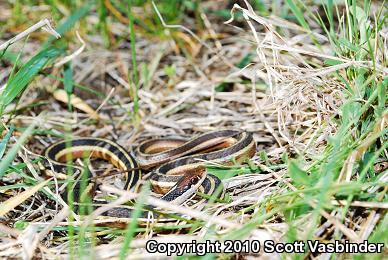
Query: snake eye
(186, 183)
(194, 180)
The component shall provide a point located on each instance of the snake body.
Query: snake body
(178, 166)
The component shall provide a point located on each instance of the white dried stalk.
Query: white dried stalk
(44, 24)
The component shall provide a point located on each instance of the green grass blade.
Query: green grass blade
(298, 14)
(6, 162)
(68, 83)
(18, 83)
(131, 228)
(102, 22)
(70, 22)
(299, 176)
(3, 143)
(134, 73)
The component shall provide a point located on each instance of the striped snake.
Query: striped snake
(177, 166)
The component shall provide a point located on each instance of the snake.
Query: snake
(176, 166)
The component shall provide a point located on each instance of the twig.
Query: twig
(74, 54)
(44, 24)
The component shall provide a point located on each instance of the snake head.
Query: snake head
(187, 182)
(186, 187)
(190, 179)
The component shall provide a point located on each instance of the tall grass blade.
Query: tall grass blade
(131, 228)
(70, 22)
(3, 143)
(6, 162)
(68, 83)
(18, 83)
(298, 14)
(134, 63)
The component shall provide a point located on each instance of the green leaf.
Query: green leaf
(131, 227)
(299, 176)
(332, 62)
(224, 87)
(296, 211)
(382, 95)
(170, 70)
(298, 14)
(68, 78)
(18, 83)
(70, 22)
(263, 156)
(349, 45)
(226, 173)
(330, 15)
(245, 61)
(9, 56)
(21, 225)
(223, 174)
(3, 143)
(7, 160)
(351, 112)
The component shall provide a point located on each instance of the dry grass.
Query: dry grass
(290, 106)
